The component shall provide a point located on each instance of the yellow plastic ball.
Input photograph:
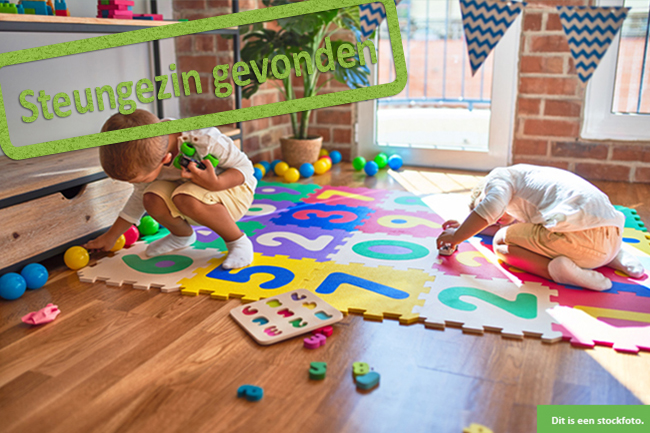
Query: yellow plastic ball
(76, 258)
(323, 152)
(262, 169)
(321, 166)
(327, 160)
(292, 175)
(280, 168)
(119, 244)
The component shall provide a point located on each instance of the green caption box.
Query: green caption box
(189, 28)
(593, 418)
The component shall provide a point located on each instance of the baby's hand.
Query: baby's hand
(102, 243)
(205, 178)
(447, 239)
(450, 223)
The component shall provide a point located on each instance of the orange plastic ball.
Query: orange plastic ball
(280, 168)
(292, 175)
(321, 166)
(119, 244)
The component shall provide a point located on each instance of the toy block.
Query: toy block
(367, 381)
(360, 369)
(143, 18)
(114, 7)
(39, 7)
(326, 331)
(155, 17)
(315, 341)
(118, 2)
(8, 8)
(21, 9)
(29, 11)
(60, 5)
(317, 370)
(250, 392)
(62, 13)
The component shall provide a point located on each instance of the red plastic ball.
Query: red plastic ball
(131, 236)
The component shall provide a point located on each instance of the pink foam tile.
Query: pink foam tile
(468, 260)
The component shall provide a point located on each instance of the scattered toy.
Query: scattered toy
(326, 331)
(131, 236)
(306, 170)
(44, 315)
(35, 275)
(12, 286)
(250, 392)
(395, 162)
(76, 258)
(335, 156)
(148, 226)
(315, 341)
(360, 369)
(371, 168)
(317, 370)
(367, 381)
(359, 163)
(119, 244)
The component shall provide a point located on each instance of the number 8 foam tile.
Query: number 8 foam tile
(416, 224)
(489, 305)
(341, 195)
(298, 242)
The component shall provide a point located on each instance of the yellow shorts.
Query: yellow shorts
(589, 248)
(236, 200)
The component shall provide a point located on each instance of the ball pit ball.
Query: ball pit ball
(306, 170)
(35, 275)
(335, 156)
(258, 173)
(266, 165)
(291, 175)
(381, 160)
(148, 226)
(371, 168)
(280, 168)
(119, 244)
(358, 163)
(131, 236)
(321, 167)
(328, 160)
(273, 164)
(76, 258)
(261, 168)
(323, 152)
(395, 162)
(12, 286)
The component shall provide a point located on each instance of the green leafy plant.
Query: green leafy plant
(305, 33)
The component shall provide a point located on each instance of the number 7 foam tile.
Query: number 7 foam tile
(352, 197)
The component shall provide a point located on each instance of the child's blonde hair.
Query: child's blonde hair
(477, 191)
(125, 161)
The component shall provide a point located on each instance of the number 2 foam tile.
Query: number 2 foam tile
(267, 276)
(284, 191)
(377, 293)
(416, 224)
(132, 266)
(352, 197)
(489, 305)
(472, 258)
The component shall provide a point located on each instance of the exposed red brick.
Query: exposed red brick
(322, 131)
(220, 4)
(642, 175)
(577, 149)
(572, 66)
(529, 147)
(547, 86)
(203, 43)
(333, 117)
(631, 152)
(532, 21)
(342, 136)
(183, 44)
(549, 44)
(189, 4)
(251, 144)
(224, 44)
(542, 64)
(553, 22)
(197, 63)
(280, 120)
(562, 108)
(210, 105)
(554, 128)
(596, 171)
(540, 161)
(529, 105)
(256, 125)
(263, 98)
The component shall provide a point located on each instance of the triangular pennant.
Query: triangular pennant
(485, 22)
(371, 15)
(590, 31)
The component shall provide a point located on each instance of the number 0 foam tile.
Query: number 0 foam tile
(489, 305)
(132, 266)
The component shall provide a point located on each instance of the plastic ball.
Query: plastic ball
(335, 156)
(381, 160)
(12, 286)
(119, 244)
(280, 168)
(148, 226)
(358, 163)
(395, 162)
(261, 168)
(266, 165)
(371, 168)
(273, 164)
(292, 175)
(306, 170)
(258, 173)
(323, 152)
(131, 236)
(76, 258)
(35, 275)
(321, 167)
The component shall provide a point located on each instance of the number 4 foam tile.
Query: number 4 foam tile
(132, 266)
(489, 305)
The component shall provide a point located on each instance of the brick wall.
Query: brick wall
(550, 104)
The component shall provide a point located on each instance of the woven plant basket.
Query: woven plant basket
(296, 152)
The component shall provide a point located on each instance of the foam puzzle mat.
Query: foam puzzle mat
(372, 252)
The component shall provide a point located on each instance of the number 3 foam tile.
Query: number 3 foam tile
(489, 305)
(267, 276)
(298, 242)
(132, 266)
(416, 224)
(377, 293)
(352, 197)
(326, 217)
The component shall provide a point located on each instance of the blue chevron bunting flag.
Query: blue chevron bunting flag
(590, 31)
(371, 15)
(485, 22)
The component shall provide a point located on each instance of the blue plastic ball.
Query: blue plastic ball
(371, 168)
(258, 173)
(395, 162)
(306, 170)
(12, 286)
(273, 164)
(267, 166)
(336, 156)
(35, 275)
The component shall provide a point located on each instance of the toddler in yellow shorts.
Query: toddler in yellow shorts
(215, 197)
(556, 225)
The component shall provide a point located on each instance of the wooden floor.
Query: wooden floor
(125, 360)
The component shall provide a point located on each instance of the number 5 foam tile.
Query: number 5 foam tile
(326, 217)
(342, 195)
(284, 192)
(377, 293)
(416, 224)
(489, 305)
(267, 276)
(298, 242)
(131, 266)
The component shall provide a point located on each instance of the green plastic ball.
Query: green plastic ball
(358, 163)
(381, 160)
(148, 226)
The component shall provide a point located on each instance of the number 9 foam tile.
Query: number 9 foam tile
(416, 224)
(285, 316)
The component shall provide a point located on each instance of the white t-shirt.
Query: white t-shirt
(557, 199)
(206, 141)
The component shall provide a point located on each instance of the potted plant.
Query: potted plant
(305, 33)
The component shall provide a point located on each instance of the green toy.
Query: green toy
(186, 155)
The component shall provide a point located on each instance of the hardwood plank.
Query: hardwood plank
(421, 183)
(444, 182)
